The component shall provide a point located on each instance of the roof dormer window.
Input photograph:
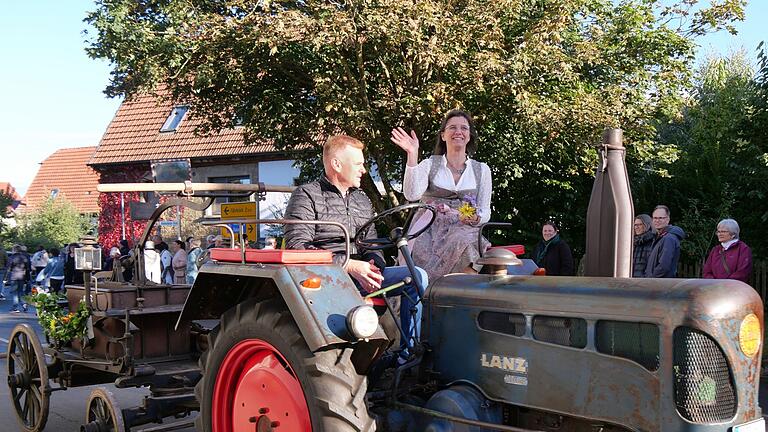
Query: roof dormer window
(175, 118)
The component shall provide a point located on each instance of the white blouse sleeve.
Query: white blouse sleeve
(416, 179)
(484, 194)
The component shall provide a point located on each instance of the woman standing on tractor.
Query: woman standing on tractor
(458, 186)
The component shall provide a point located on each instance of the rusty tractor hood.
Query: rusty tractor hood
(524, 368)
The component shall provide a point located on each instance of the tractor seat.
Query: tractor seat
(273, 256)
(515, 249)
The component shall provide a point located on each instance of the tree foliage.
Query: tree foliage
(722, 168)
(542, 78)
(53, 224)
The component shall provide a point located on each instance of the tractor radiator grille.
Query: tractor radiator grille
(507, 323)
(570, 332)
(704, 391)
(635, 341)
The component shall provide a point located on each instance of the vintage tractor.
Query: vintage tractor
(286, 342)
(293, 346)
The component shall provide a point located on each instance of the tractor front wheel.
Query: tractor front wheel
(259, 374)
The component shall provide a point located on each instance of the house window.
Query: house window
(173, 120)
(54, 193)
(281, 173)
(216, 207)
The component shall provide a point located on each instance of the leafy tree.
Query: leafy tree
(542, 78)
(54, 223)
(6, 202)
(721, 171)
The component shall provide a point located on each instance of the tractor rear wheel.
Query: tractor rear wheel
(259, 374)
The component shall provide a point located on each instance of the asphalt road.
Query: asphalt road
(67, 408)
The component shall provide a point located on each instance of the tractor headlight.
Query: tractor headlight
(362, 321)
(749, 335)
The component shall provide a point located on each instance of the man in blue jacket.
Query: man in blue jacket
(665, 253)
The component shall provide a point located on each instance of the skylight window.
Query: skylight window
(174, 119)
(54, 193)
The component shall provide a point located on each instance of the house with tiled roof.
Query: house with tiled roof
(9, 190)
(65, 174)
(148, 129)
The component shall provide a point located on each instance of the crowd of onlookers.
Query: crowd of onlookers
(656, 254)
(20, 271)
(53, 269)
(657, 249)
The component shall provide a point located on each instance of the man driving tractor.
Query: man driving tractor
(337, 197)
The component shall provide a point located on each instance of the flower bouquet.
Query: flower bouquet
(468, 210)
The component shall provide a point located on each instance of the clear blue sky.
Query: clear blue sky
(51, 92)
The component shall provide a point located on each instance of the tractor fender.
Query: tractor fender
(320, 313)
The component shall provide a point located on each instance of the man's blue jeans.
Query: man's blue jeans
(17, 288)
(409, 296)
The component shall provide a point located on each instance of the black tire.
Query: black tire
(334, 392)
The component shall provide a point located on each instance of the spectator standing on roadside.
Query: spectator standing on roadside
(39, 260)
(125, 251)
(644, 235)
(28, 278)
(71, 274)
(17, 274)
(732, 258)
(665, 253)
(54, 270)
(179, 262)
(153, 269)
(3, 264)
(109, 263)
(194, 253)
(166, 258)
(270, 243)
(553, 253)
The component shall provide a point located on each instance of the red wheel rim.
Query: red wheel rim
(256, 389)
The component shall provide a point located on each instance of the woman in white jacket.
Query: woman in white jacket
(152, 267)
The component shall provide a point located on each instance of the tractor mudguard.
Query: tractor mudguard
(320, 313)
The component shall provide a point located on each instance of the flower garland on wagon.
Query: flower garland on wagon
(59, 326)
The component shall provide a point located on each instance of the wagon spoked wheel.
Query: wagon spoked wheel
(28, 378)
(259, 374)
(102, 413)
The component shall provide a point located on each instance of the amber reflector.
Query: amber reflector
(312, 283)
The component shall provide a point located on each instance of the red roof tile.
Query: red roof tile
(9, 190)
(67, 171)
(134, 136)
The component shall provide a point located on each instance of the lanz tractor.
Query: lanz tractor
(291, 345)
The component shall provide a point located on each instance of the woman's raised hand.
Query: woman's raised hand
(409, 143)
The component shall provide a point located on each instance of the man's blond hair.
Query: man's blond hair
(337, 143)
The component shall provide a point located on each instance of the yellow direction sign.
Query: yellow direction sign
(239, 210)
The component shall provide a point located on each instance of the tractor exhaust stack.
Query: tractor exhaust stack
(610, 213)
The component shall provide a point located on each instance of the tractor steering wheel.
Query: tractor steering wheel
(397, 233)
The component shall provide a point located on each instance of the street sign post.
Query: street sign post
(239, 210)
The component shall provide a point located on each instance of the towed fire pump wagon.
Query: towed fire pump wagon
(282, 340)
